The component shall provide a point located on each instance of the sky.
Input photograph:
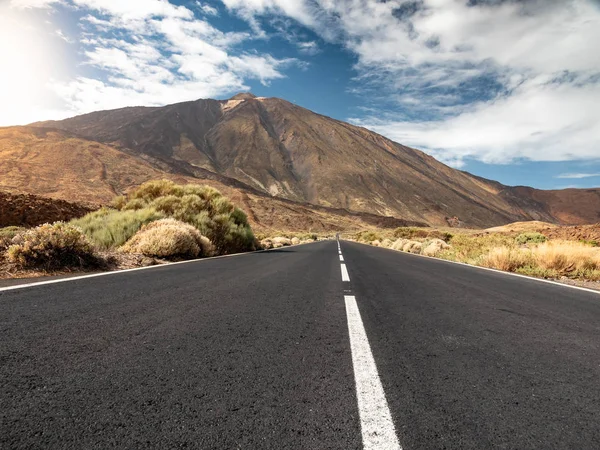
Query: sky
(504, 89)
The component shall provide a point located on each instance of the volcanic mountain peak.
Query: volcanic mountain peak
(243, 96)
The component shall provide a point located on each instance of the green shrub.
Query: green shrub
(368, 236)
(410, 233)
(151, 190)
(109, 228)
(133, 204)
(52, 247)
(530, 238)
(10, 232)
(169, 238)
(214, 215)
(229, 237)
(118, 202)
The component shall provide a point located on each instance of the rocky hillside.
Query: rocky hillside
(282, 150)
(30, 210)
(60, 165)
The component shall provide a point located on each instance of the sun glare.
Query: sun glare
(26, 55)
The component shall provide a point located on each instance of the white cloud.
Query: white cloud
(152, 52)
(308, 47)
(578, 175)
(28, 4)
(540, 57)
(539, 121)
(207, 9)
(132, 10)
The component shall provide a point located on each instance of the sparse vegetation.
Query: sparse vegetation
(160, 219)
(528, 253)
(419, 233)
(51, 247)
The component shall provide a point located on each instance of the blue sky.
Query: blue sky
(505, 89)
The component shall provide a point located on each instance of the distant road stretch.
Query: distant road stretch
(319, 346)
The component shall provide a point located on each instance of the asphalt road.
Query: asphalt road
(260, 351)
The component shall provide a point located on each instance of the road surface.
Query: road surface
(273, 350)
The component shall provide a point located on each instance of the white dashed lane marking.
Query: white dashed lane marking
(345, 276)
(376, 424)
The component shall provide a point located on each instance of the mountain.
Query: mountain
(286, 151)
(60, 165)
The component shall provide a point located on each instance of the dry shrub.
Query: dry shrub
(204, 207)
(399, 244)
(434, 247)
(367, 236)
(416, 248)
(410, 232)
(281, 241)
(470, 249)
(386, 243)
(409, 245)
(53, 247)
(506, 258)
(567, 257)
(169, 238)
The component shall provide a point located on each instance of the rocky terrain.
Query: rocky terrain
(29, 210)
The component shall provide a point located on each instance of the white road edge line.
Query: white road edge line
(376, 424)
(518, 275)
(341, 258)
(345, 276)
(117, 272)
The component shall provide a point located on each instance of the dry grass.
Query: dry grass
(508, 259)
(527, 253)
(567, 257)
(552, 259)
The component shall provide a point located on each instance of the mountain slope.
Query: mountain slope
(287, 151)
(60, 165)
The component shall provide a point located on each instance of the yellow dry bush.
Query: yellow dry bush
(506, 258)
(52, 247)
(566, 257)
(399, 244)
(169, 238)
